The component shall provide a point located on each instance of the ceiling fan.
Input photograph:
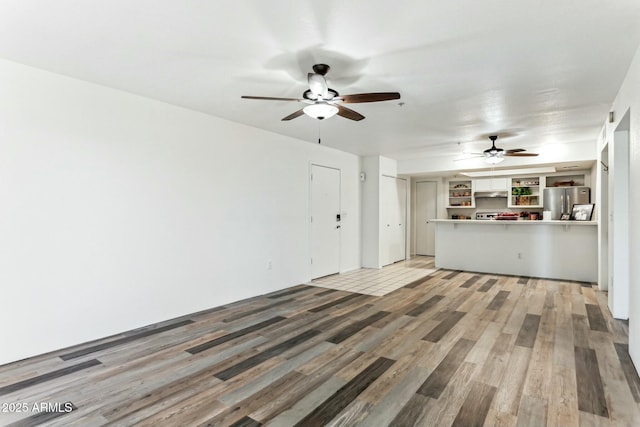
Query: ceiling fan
(325, 102)
(495, 155)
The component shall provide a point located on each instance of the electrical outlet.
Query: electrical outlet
(519, 255)
(269, 265)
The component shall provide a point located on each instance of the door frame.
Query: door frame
(309, 216)
(619, 267)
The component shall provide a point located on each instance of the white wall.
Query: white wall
(371, 212)
(628, 99)
(119, 211)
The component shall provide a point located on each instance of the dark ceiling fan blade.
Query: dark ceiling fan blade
(294, 115)
(515, 150)
(270, 98)
(369, 97)
(521, 154)
(348, 113)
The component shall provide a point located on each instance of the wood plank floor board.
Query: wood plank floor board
(413, 411)
(484, 343)
(529, 331)
(255, 385)
(290, 291)
(123, 340)
(506, 310)
(596, 319)
(392, 403)
(288, 354)
(437, 381)
(49, 376)
(471, 281)
(630, 373)
(255, 360)
(452, 397)
(497, 302)
(405, 339)
(540, 372)
(246, 422)
(451, 274)
(623, 410)
(476, 406)
(241, 405)
(563, 399)
(332, 406)
(354, 413)
(418, 282)
(512, 383)
(580, 330)
(374, 339)
(494, 367)
(425, 306)
(532, 412)
(350, 330)
(487, 285)
(228, 337)
(445, 326)
(387, 381)
(317, 375)
(591, 397)
(334, 303)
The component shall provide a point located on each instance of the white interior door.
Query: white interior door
(426, 212)
(388, 219)
(393, 213)
(325, 221)
(401, 230)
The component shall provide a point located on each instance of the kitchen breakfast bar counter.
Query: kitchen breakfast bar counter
(566, 250)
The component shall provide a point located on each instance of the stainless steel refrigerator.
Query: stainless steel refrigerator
(560, 200)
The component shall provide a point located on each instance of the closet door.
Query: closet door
(393, 225)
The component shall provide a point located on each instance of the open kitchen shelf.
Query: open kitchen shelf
(460, 194)
(525, 192)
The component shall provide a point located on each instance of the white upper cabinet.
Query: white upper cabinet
(490, 184)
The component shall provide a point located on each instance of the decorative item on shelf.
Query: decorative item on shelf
(582, 212)
(521, 191)
(507, 216)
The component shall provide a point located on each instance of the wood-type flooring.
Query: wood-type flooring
(451, 349)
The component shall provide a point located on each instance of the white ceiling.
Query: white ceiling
(545, 71)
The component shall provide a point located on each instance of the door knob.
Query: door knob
(337, 226)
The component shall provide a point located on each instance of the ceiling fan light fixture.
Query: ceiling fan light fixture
(320, 110)
(493, 159)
